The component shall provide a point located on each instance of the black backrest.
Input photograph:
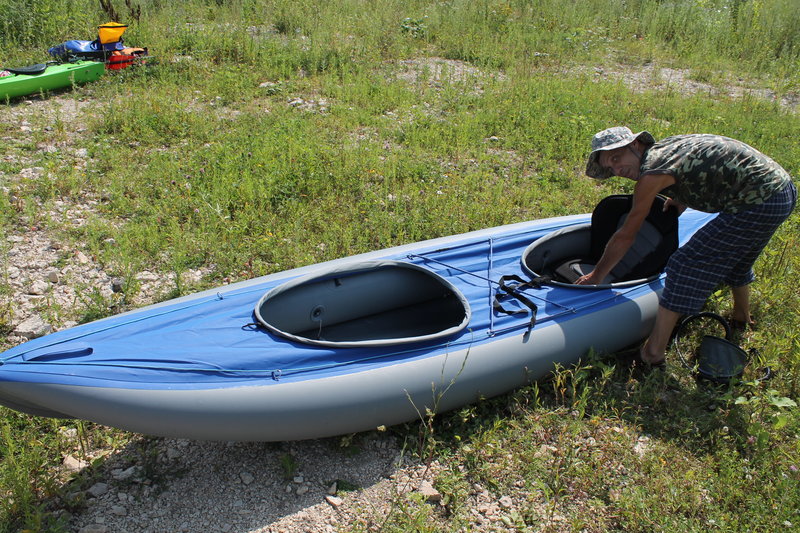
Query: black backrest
(32, 70)
(655, 242)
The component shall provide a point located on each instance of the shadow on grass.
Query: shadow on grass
(670, 404)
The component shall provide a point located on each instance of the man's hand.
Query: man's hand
(588, 279)
(672, 203)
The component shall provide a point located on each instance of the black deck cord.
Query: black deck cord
(513, 291)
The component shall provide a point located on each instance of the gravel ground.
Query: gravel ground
(242, 487)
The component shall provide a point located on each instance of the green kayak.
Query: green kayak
(51, 77)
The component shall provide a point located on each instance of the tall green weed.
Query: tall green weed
(34, 23)
(759, 35)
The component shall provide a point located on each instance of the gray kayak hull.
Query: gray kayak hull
(355, 402)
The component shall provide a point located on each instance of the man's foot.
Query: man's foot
(650, 359)
(739, 326)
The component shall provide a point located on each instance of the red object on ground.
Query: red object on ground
(117, 62)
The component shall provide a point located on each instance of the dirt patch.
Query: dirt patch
(437, 71)
(651, 77)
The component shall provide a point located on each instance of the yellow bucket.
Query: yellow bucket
(111, 32)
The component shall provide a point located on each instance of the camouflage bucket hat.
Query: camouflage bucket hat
(611, 139)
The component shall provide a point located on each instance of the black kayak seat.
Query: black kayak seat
(656, 241)
(31, 70)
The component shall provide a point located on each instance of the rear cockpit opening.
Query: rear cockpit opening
(373, 303)
(569, 253)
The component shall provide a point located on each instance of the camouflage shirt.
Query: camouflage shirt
(714, 173)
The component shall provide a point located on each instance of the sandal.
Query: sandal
(648, 365)
(739, 326)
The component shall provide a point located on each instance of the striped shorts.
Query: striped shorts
(723, 251)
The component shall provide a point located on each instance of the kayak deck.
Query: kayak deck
(212, 340)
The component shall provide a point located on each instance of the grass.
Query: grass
(597, 449)
(271, 134)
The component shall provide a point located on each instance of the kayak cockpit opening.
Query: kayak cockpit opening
(372, 303)
(567, 254)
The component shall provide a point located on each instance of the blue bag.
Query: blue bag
(85, 49)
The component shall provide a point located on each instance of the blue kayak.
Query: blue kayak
(347, 345)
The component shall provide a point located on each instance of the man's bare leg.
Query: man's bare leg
(741, 305)
(655, 348)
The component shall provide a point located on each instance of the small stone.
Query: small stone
(38, 287)
(334, 501)
(302, 489)
(119, 510)
(53, 277)
(81, 258)
(333, 489)
(298, 479)
(146, 276)
(430, 493)
(117, 285)
(642, 446)
(506, 502)
(246, 477)
(72, 464)
(128, 473)
(271, 87)
(33, 327)
(68, 433)
(98, 489)
(173, 453)
(31, 173)
(94, 528)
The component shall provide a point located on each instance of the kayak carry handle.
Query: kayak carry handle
(76, 350)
